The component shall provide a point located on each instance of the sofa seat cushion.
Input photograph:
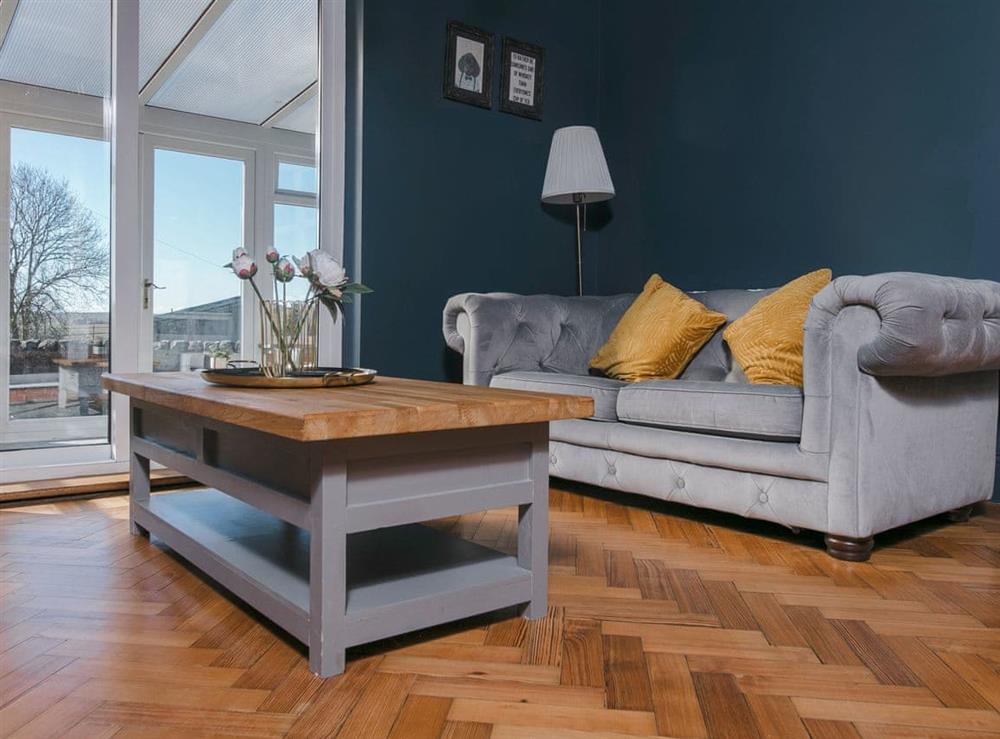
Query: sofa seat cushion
(603, 390)
(722, 408)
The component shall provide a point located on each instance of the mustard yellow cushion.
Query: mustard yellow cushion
(658, 335)
(767, 340)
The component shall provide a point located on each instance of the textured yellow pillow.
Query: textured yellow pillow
(767, 340)
(658, 335)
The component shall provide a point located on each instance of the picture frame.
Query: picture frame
(522, 85)
(468, 65)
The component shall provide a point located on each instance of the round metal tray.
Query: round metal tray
(318, 377)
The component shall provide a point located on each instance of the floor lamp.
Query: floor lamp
(577, 174)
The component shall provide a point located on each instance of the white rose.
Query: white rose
(243, 266)
(303, 264)
(325, 270)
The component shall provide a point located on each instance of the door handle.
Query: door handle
(148, 284)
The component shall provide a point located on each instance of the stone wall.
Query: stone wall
(169, 356)
(36, 357)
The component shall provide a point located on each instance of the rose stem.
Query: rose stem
(302, 318)
(270, 318)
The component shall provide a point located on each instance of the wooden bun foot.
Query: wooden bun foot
(960, 515)
(848, 548)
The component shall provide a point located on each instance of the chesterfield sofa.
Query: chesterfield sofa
(896, 420)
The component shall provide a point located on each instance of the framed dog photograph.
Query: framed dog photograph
(468, 65)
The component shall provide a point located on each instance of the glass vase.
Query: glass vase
(289, 337)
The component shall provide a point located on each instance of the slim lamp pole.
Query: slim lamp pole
(578, 200)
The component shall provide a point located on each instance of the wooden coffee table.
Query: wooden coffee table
(315, 497)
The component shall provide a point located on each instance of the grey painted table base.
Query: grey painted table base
(324, 539)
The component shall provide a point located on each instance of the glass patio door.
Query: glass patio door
(55, 244)
(58, 298)
(197, 209)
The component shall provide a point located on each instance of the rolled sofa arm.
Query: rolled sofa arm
(929, 325)
(503, 332)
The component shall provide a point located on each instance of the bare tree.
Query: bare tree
(57, 253)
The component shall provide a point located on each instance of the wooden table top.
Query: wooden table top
(390, 405)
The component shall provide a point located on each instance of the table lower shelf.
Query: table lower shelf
(398, 579)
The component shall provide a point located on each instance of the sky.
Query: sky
(84, 164)
(197, 213)
(197, 222)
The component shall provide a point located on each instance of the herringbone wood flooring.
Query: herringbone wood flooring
(663, 621)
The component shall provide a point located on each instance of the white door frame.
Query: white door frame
(120, 117)
(126, 284)
(331, 154)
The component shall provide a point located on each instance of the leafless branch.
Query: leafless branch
(58, 253)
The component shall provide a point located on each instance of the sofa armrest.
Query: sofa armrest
(503, 332)
(929, 325)
(900, 387)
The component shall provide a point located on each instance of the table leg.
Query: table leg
(327, 561)
(533, 530)
(138, 480)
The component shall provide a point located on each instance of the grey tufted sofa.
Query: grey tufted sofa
(896, 420)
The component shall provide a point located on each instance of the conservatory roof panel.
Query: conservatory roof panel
(162, 25)
(61, 45)
(302, 119)
(241, 60)
(256, 57)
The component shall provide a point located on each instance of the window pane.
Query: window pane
(296, 177)
(197, 222)
(295, 233)
(59, 280)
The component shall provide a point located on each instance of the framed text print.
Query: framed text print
(522, 78)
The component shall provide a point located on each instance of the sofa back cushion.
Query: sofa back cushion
(714, 361)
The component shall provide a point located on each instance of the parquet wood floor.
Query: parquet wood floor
(664, 621)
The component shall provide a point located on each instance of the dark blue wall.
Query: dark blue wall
(451, 192)
(753, 141)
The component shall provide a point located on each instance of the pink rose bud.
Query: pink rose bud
(272, 255)
(283, 270)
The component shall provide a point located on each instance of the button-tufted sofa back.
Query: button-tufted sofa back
(560, 334)
(714, 361)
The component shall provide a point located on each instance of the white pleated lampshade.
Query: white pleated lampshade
(576, 167)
